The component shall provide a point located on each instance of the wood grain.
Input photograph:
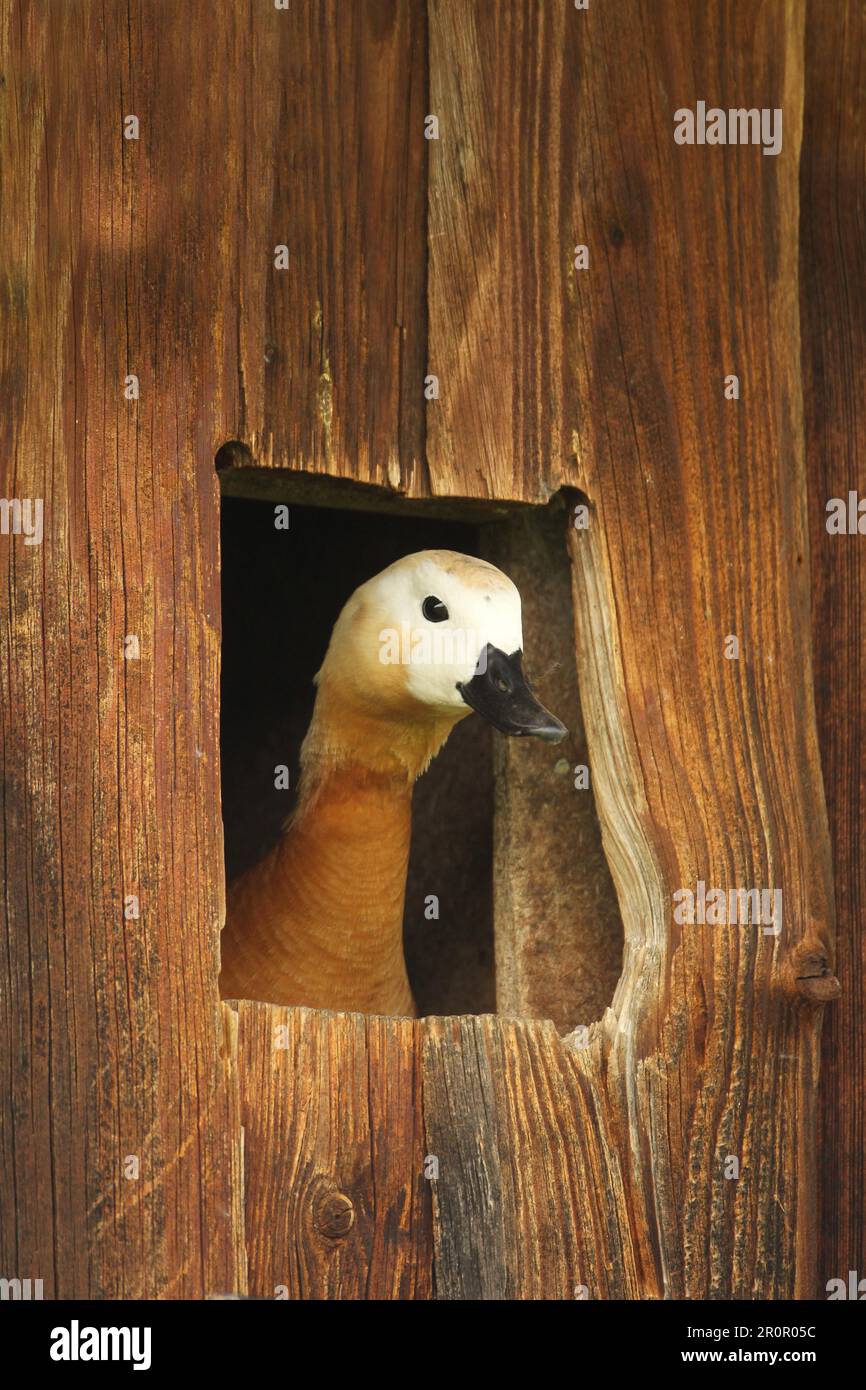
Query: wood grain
(505, 86)
(560, 1168)
(331, 351)
(833, 306)
(112, 1030)
(532, 1201)
(704, 768)
(337, 1204)
(557, 921)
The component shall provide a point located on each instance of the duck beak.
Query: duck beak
(500, 693)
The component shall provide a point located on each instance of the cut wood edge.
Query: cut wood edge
(618, 786)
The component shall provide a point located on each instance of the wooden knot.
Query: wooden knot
(820, 989)
(813, 979)
(334, 1215)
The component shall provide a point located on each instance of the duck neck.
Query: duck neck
(342, 866)
(334, 920)
(345, 738)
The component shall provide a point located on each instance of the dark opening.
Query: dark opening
(281, 593)
(505, 834)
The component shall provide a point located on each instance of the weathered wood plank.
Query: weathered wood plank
(337, 1204)
(111, 1024)
(705, 768)
(530, 1201)
(833, 305)
(602, 1168)
(709, 771)
(332, 349)
(557, 920)
(471, 1227)
(505, 82)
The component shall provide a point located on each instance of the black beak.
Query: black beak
(500, 693)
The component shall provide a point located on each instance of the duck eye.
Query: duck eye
(434, 609)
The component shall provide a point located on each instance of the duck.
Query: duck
(318, 922)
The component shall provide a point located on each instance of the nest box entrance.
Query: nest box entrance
(509, 905)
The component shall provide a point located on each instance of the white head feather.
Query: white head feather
(390, 649)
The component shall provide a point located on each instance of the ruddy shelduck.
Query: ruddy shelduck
(415, 649)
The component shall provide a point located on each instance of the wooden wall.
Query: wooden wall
(560, 1168)
(113, 1040)
(833, 307)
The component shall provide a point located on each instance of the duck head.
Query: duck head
(431, 638)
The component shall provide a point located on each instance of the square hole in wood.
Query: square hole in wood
(505, 836)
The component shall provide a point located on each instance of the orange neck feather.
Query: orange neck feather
(320, 920)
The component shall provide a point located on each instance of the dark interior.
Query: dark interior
(281, 592)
